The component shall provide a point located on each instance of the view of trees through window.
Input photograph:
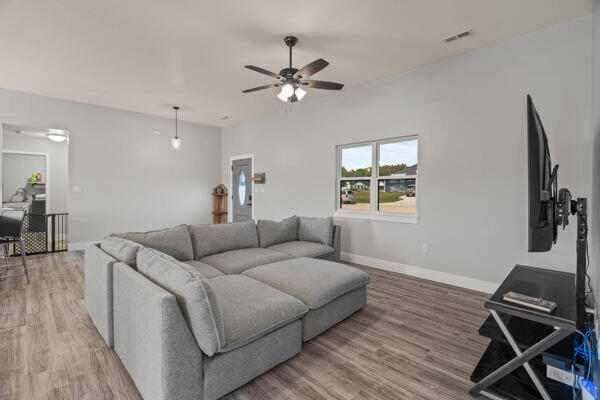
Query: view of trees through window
(393, 173)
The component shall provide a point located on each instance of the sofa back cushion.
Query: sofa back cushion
(212, 239)
(175, 242)
(273, 232)
(122, 249)
(319, 230)
(195, 296)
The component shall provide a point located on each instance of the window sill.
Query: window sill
(373, 216)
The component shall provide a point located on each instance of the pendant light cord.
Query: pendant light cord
(176, 109)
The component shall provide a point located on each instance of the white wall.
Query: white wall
(470, 113)
(58, 154)
(130, 178)
(17, 170)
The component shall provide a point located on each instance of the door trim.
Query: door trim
(230, 194)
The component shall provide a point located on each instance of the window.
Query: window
(378, 178)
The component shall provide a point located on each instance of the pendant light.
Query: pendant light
(176, 142)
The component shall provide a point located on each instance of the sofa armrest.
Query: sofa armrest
(337, 242)
(153, 339)
(99, 290)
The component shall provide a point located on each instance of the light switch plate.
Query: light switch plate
(77, 189)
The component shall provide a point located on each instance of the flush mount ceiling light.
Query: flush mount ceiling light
(176, 142)
(291, 79)
(56, 135)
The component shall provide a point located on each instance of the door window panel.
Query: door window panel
(242, 188)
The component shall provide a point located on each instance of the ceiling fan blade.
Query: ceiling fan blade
(311, 69)
(263, 71)
(323, 85)
(260, 88)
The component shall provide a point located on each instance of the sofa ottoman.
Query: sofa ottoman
(331, 291)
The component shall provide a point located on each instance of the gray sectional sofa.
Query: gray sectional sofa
(194, 312)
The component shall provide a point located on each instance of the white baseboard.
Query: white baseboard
(429, 274)
(78, 246)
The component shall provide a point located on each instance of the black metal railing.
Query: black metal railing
(44, 233)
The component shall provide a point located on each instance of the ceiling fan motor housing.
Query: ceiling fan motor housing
(288, 73)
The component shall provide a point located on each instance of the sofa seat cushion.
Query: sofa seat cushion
(299, 248)
(315, 282)
(237, 261)
(175, 242)
(205, 270)
(252, 309)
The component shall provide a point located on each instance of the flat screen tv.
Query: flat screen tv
(542, 185)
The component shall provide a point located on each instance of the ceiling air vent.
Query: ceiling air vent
(458, 36)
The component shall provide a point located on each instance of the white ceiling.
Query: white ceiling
(147, 55)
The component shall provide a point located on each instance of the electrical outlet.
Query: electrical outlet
(77, 189)
(425, 248)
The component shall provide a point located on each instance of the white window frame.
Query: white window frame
(373, 213)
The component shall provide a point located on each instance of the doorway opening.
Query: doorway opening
(35, 179)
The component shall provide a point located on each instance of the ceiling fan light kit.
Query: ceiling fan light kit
(292, 79)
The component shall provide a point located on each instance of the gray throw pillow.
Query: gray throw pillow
(319, 230)
(175, 242)
(194, 294)
(121, 249)
(273, 232)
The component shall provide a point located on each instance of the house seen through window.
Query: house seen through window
(379, 176)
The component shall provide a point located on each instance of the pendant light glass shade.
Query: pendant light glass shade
(175, 143)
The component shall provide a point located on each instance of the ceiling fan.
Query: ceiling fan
(292, 79)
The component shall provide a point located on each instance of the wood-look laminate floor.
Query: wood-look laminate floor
(415, 339)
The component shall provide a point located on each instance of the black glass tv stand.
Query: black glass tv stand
(520, 335)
